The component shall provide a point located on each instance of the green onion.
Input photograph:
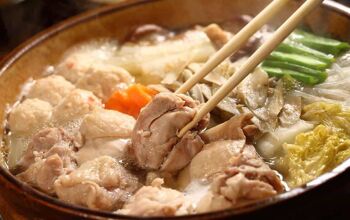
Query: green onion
(326, 45)
(321, 75)
(279, 72)
(304, 57)
(297, 48)
(301, 60)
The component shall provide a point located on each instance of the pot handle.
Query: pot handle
(338, 7)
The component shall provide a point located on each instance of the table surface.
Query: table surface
(330, 201)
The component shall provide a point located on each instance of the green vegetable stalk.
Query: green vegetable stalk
(301, 60)
(320, 75)
(302, 77)
(297, 48)
(326, 45)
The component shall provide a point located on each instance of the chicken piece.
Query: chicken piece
(104, 79)
(247, 180)
(212, 160)
(45, 143)
(220, 36)
(101, 184)
(113, 147)
(155, 134)
(104, 123)
(217, 36)
(223, 142)
(183, 152)
(51, 89)
(106, 132)
(49, 155)
(74, 106)
(29, 116)
(156, 200)
(67, 155)
(43, 173)
(168, 178)
(225, 153)
(236, 128)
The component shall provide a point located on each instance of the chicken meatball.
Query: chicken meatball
(29, 116)
(103, 80)
(51, 89)
(74, 106)
(80, 59)
(154, 138)
(75, 65)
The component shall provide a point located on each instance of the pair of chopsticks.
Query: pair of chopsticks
(258, 56)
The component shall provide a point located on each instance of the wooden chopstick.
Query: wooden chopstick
(234, 43)
(263, 51)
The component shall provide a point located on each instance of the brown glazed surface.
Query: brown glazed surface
(18, 200)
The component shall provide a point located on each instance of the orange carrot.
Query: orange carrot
(131, 100)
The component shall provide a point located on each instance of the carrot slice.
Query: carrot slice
(131, 100)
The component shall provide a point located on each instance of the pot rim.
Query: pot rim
(46, 200)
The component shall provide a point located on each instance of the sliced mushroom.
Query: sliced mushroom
(253, 89)
(291, 111)
(150, 33)
(217, 76)
(264, 102)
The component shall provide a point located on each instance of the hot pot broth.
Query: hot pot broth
(99, 129)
